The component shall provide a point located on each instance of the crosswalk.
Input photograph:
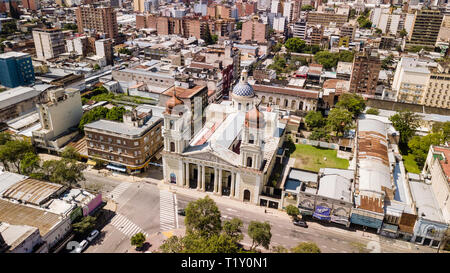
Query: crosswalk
(118, 190)
(125, 226)
(167, 214)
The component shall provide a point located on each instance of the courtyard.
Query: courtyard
(312, 158)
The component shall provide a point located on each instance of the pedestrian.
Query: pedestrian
(265, 211)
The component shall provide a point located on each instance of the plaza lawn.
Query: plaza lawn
(410, 164)
(312, 158)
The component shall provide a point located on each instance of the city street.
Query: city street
(145, 207)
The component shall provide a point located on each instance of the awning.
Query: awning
(389, 228)
(111, 167)
(305, 212)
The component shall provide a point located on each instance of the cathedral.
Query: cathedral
(232, 155)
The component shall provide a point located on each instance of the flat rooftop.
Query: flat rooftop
(184, 93)
(16, 214)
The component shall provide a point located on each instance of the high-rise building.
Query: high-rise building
(49, 43)
(427, 24)
(97, 19)
(16, 69)
(299, 29)
(104, 48)
(364, 78)
(31, 4)
(437, 93)
(138, 5)
(288, 10)
(255, 31)
(324, 18)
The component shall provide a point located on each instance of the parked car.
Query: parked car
(93, 235)
(82, 246)
(181, 212)
(300, 223)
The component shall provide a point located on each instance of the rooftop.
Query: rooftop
(121, 127)
(444, 162)
(16, 95)
(16, 214)
(426, 201)
(184, 93)
(13, 54)
(31, 191)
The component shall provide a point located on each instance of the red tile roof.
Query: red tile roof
(287, 91)
(445, 163)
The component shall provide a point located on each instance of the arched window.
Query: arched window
(286, 103)
(171, 123)
(239, 106)
(249, 161)
(247, 195)
(247, 106)
(172, 147)
(263, 99)
(270, 99)
(293, 104)
(278, 101)
(300, 106)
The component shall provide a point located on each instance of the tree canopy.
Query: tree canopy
(314, 119)
(295, 44)
(330, 60)
(115, 114)
(86, 225)
(352, 102)
(373, 111)
(406, 123)
(419, 146)
(14, 152)
(306, 247)
(203, 216)
(260, 234)
(138, 240)
(339, 120)
(292, 210)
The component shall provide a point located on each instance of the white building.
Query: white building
(410, 80)
(59, 115)
(49, 43)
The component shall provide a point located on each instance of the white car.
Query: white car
(93, 235)
(80, 247)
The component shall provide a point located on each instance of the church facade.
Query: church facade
(232, 155)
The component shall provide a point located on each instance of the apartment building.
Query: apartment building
(31, 4)
(437, 93)
(97, 19)
(104, 49)
(49, 43)
(17, 101)
(139, 5)
(410, 80)
(365, 71)
(77, 45)
(299, 29)
(16, 69)
(348, 30)
(327, 16)
(427, 24)
(59, 115)
(254, 31)
(127, 146)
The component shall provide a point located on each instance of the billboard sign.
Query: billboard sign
(322, 213)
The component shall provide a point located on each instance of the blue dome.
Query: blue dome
(243, 89)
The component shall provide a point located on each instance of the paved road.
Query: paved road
(329, 239)
(138, 210)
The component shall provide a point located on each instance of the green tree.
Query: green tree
(403, 33)
(364, 22)
(63, 171)
(307, 7)
(280, 249)
(233, 229)
(203, 216)
(70, 26)
(320, 134)
(173, 244)
(277, 47)
(260, 234)
(378, 31)
(306, 248)
(373, 111)
(239, 25)
(4, 138)
(314, 120)
(29, 163)
(292, 211)
(70, 153)
(443, 128)
(326, 58)
(352, 102)
(13, 152)
(138, 240)
(419, 146)
(125, 50)
(86, 225)
(116, 113)
(387, 62)
(339, 120)
(352, 14)
(96, 67)
(93, 115)
(346, 56)
(406, 123)
(207, 37)
(295, 45)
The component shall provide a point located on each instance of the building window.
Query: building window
(249, 161)
(118, 141)
(136, 143)
(172, 147)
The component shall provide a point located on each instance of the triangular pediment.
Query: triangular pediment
(211, 156)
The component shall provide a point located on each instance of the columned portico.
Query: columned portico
(233, 177)
(203, 178)
(186, 182)
(216, 180)
(220, 181)
(199, 176)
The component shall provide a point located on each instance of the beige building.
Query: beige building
(232, 155)
(410, 80)
(59, 117)
(437, 172)
(437, 93)
(138, 5)
(128, 146)
(49, 43)
(254, 31)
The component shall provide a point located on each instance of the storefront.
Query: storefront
(389, 230)
(322, 213)
(117, 168)
(367, 219)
